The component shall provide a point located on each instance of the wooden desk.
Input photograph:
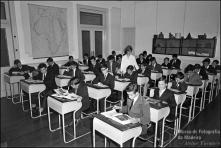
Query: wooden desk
(11, 81)
(89, 76)
(114, 130)
(63, 108)
(120, 85)
(32, 86)
(97, 92)
(158, 111)
(62, 80)
(83, 67)
(155, 75)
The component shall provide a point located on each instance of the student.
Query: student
(149, 57)
(49, 81)
(19, 69)
(100, 59)
(111, 64)
(79, 88)
(204, 69)
(214, 67)
(52, 67)
(94, 66)
(166, 96)
(175, 62)
(145, 56)
(74, 71)
(166, 63)
(106, 79)
(113, 53)
(70, 59)
(192, 76)
(137, 108)
(179, 82)
(86, 60)
(128, 59)
(155, 66)
(140, 60)
(189, 67)
(131, 74)
(119, 59)
(145, 72)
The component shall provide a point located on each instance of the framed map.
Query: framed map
(49, 32)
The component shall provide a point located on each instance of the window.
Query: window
(88, 18)
(4, 49)
(3, 14)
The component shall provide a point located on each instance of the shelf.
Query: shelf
(185, 47)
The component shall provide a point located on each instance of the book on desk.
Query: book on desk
(63, 96)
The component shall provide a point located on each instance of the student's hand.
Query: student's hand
(134, 120)
(117, 77)
(79, 99)
(116, 107)
(99, 83)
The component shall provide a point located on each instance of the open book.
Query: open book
(118, 117)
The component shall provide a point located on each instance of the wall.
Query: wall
(196, 17)
(22, 30)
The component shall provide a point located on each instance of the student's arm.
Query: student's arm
(96, 79)
(145, 114)
(135, 63)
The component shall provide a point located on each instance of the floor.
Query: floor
(20, 130)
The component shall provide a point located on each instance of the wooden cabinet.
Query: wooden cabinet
(185, 47)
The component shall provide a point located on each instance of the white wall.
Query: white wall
(197, 17)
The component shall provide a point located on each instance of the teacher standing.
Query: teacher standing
(128, 59)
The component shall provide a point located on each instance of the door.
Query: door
(92, 42)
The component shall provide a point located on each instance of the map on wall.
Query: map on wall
(48, 27)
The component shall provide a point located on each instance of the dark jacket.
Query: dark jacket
(132, 77)
(67, 64)
(212, 69)
(140, 62)
(167, 96)
(146, 73)
(53, 69)
(114, 66)
(203, 73)
(181, 86)
(140, 109)
(156, 68)
(109, 81)
(77, 74)
(96, 69)
(86, 62)
(175, 64)
(167, 66)
(24, 68)
(49, 80)
(82, 91)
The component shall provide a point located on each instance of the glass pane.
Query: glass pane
(86, 46)
(173, 43)
(98, 43)
(4, 49)
(159, 50)
(91, 18)
(171, 50)
(3, 14)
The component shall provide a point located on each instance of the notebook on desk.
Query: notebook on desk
(31, 81)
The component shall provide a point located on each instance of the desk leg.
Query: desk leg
(29, 96)
(162, 134)
(49, 121)
(74, 124)
(105, 103)
(63, 128)
(98, 106)
(105, 141)
(93, 137)
(6, 93)
(155, 137)
(13, 97)
(122, 98)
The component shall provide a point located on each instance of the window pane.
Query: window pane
(86, 46)
(91, 18)
(4, 49)
(3, 15)
(98, 43)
